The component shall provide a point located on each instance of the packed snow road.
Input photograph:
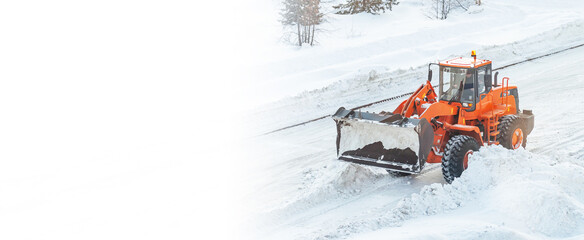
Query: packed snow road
(301, 192)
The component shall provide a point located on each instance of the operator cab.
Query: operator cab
(463, 80)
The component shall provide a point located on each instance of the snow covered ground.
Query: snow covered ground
(295, 189)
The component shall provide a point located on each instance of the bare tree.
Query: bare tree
(440, 9)
(305, 15)
(368, 6)
(390, 4)
(291, 15)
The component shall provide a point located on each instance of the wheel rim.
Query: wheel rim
(517, 139)
(465, 160)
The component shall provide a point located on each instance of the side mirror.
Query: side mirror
(429, 75)
(496, 74)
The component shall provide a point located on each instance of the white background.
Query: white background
(112, 114)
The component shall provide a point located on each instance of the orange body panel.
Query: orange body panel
(413, 105)
(454, 119)
(465, 62)
(440, 109)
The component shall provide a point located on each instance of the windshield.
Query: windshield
(456, 83)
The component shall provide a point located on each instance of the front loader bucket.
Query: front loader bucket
(383, 140)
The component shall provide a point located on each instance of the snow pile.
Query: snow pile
(353, 177)
(334, 181)
(356, 134)
(543, 193)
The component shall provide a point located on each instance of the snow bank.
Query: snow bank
(354, 176)
(336, 180)
(545, 193)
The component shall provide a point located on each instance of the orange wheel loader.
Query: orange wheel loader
(469, 110)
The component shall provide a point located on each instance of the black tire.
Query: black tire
(454, 152)
(398, 174)
(507, 126)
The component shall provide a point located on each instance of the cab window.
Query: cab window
(469, 88)
(481, 80)
(452, 80)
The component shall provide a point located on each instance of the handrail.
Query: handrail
(488, 127)
(506, 91)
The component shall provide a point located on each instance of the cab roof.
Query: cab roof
(465, 62)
